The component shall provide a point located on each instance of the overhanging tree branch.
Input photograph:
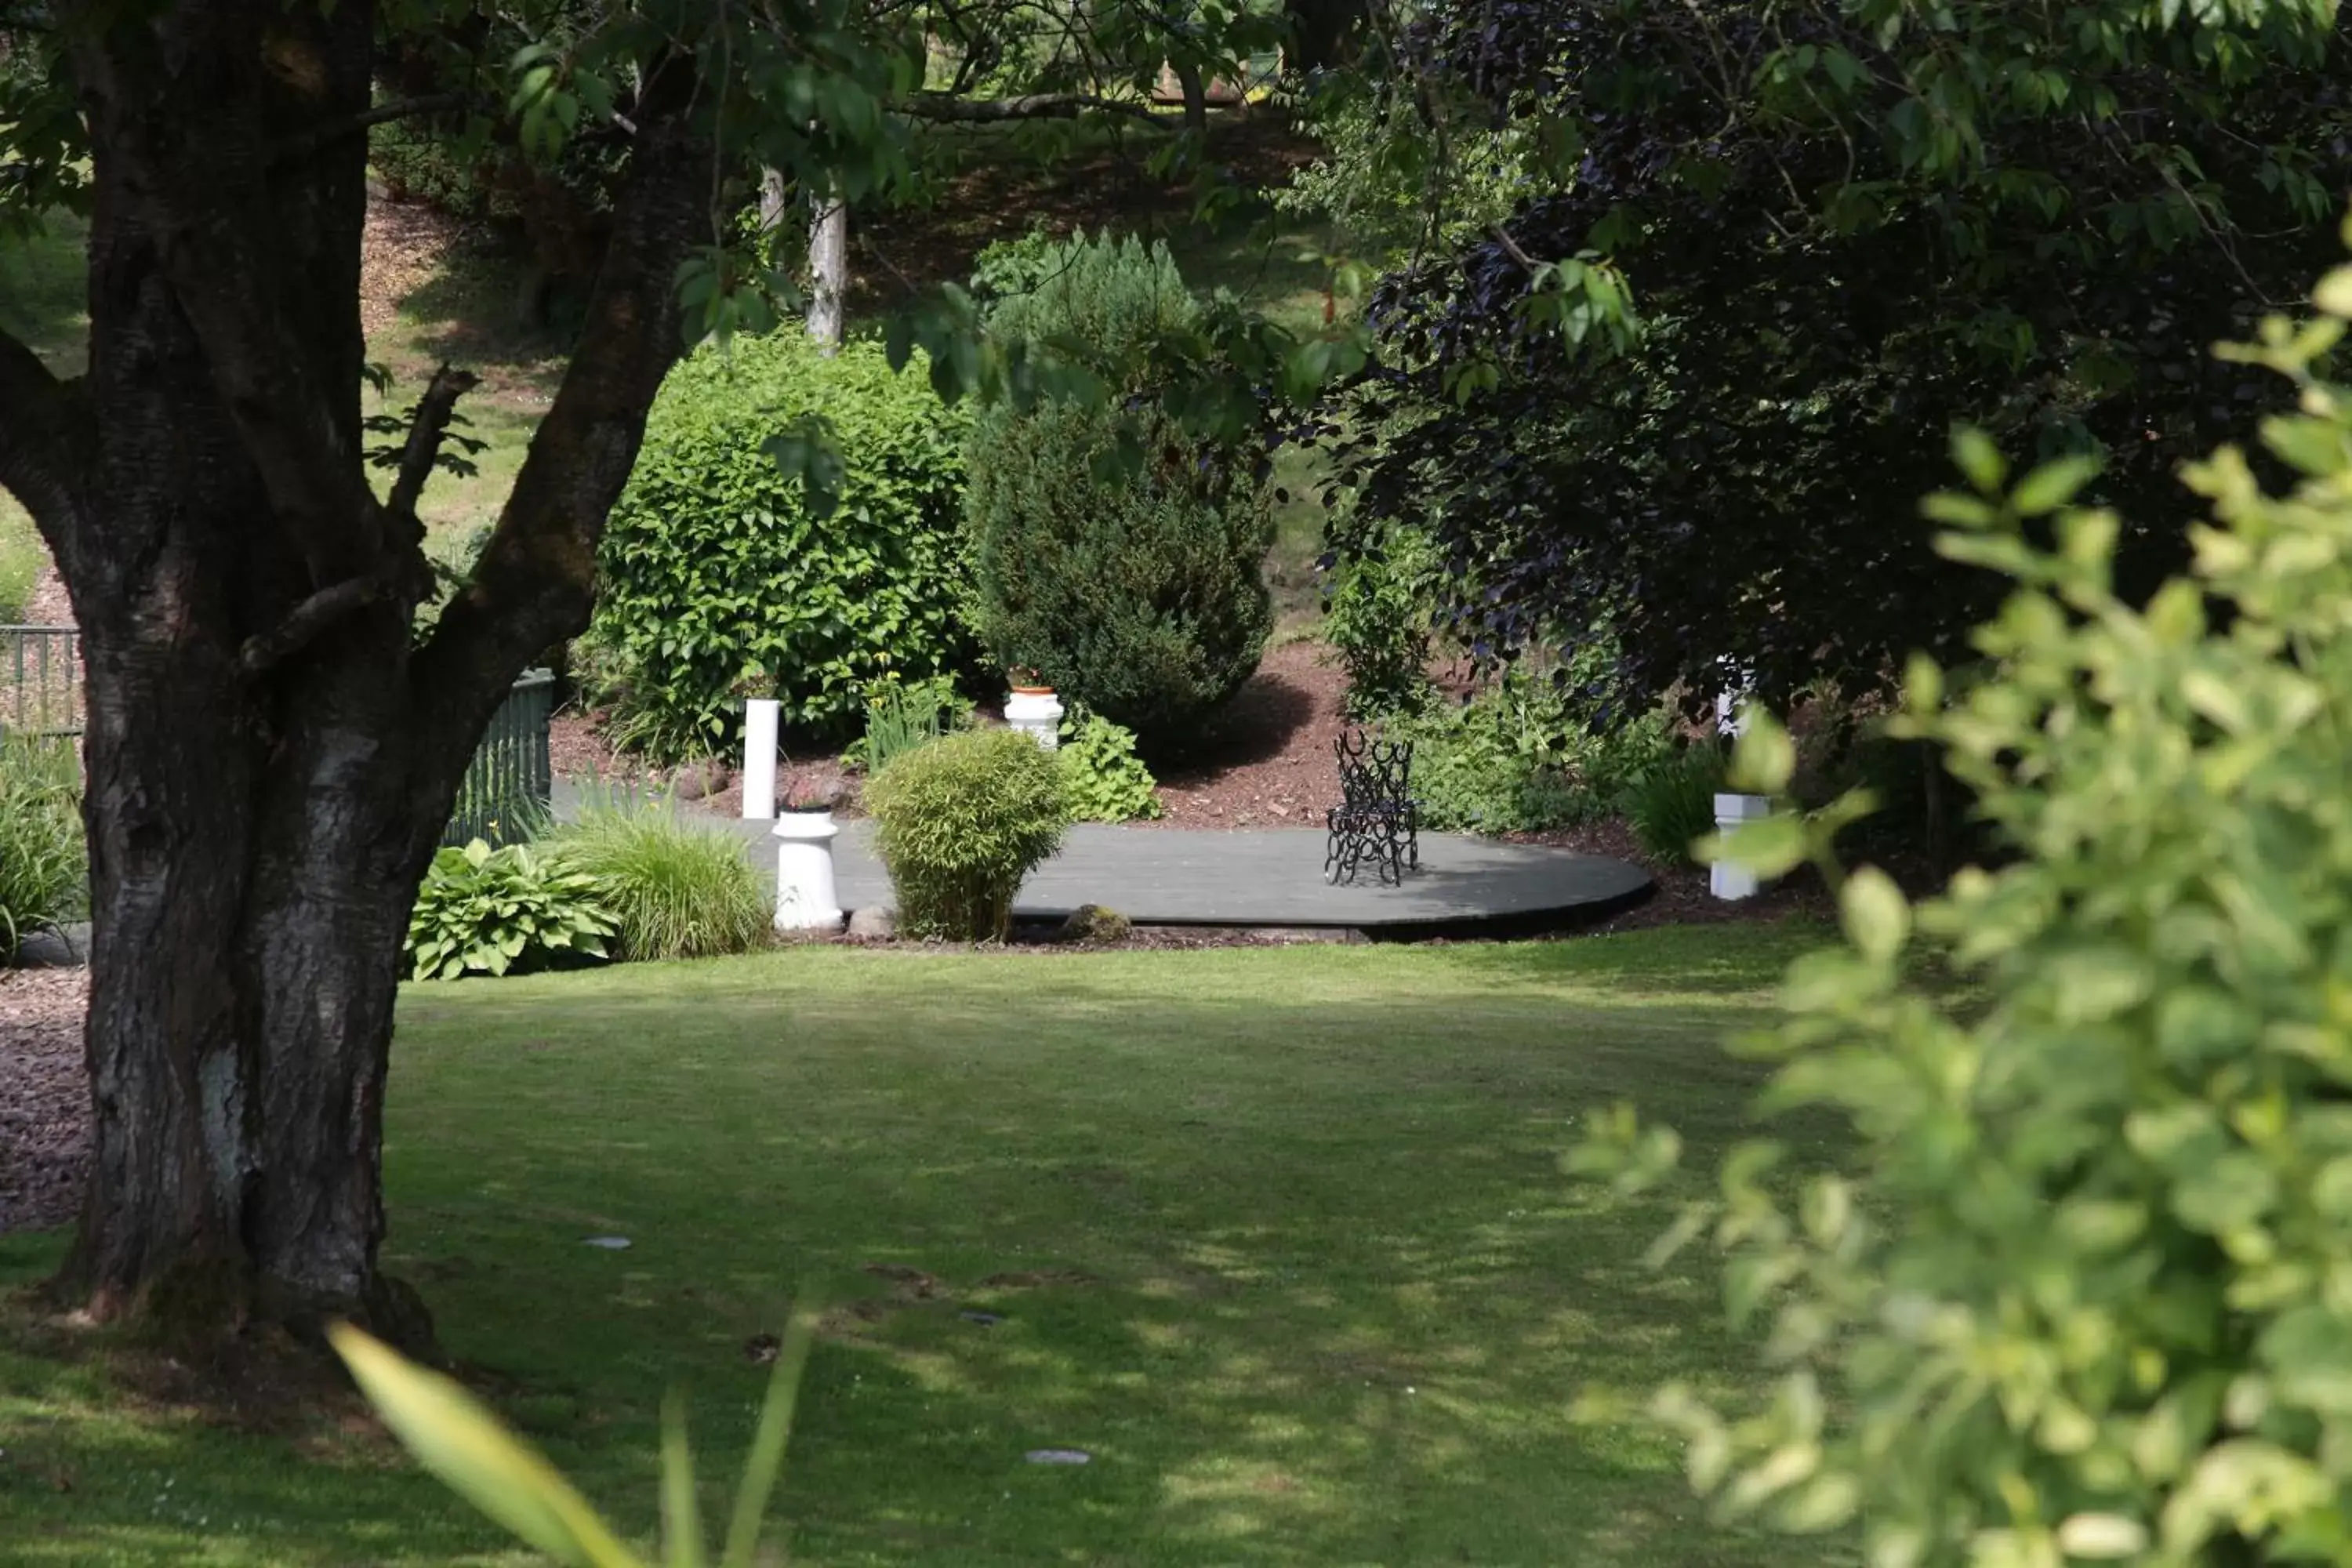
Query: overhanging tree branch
(329, 133)
(1032, 106)
(45, 439)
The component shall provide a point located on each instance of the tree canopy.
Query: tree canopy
(1690, 387)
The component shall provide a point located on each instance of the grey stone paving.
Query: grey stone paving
(1263, 877)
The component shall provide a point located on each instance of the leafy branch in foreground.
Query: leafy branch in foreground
(454, 1435)
(2078, 1290)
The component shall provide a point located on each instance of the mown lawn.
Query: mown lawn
(1302, 1273)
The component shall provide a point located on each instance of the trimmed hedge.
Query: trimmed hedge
(718, 581)
(959, 820)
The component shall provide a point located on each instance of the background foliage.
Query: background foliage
(720, 581)
(1841, 226)
(672, 890)
(1105, 780)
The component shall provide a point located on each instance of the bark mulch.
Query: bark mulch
(44, 1107)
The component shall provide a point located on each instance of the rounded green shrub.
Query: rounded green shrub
(1134, 586)
(719, 582)
(958, 822)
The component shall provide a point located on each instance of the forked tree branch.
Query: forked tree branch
(307, 620)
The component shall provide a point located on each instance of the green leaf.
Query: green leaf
(456, 1439)
(1763, 757)
(1877, 917)
(2053, 485)
(1978, 459)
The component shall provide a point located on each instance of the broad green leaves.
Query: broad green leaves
(488, 911)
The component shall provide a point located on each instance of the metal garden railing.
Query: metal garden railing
(511, 786)
(41, 679)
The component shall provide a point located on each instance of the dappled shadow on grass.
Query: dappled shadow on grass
(1277, 1238)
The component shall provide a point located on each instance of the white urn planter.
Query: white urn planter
(804, 889)
(1037, 711)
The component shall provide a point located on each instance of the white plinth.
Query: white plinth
(759, 716)
(1725, 880)
(1039, 714)
(804, 895)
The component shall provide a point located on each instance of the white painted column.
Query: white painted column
(1726, 881)
(759, 723)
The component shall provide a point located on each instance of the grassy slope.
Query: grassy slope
(1342, 1299)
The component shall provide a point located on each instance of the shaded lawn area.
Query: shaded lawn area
(1278, 1235)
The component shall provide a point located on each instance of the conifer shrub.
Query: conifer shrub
(1114, 553)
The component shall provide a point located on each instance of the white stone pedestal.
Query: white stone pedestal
(759, 716)
(1037, 712)
(804, 895)
(1726, 881)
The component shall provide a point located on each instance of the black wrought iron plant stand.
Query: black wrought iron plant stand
(1377, 819)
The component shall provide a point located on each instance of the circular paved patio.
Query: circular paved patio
(1274, 876)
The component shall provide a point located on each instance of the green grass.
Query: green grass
(1315, 1289)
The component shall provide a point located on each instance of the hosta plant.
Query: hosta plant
(1101, 775)
(491, 912)
(2077, 1286)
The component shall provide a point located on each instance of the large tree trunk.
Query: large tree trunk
(828, 272)
(269, 762)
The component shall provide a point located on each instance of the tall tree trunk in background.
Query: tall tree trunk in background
(828, 272)
(269, 760)
(1195, 88)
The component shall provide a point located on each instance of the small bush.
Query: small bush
(720, 583)
(1107, 782)
(1670, 806)
(673, 890)
(44, 857)
(1376, 614)
(1136, 588)
(1519, 757)
(496, 911)
(900, 716)
(960, 822)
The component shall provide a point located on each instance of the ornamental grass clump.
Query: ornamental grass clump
(674, 891)
(44, 863)
(2076, 1284)
(960, 822)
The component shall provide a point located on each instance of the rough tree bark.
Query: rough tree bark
(828, 272)
(270, 761)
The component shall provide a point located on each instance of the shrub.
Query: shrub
(44, 857)
(672, 890)
(1105, 781)
(1670, 805)
(2077, 1288)
(1376, 616)
(960, 823)
(1518, 756)
(900, 716)
(719, 582)
(1135, 590)
(495, 911)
